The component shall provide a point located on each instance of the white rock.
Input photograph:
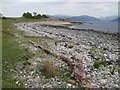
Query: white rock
(105, 55)
(17, 82)
(69, 85)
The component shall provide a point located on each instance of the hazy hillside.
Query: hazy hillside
(109, 18)
(85, 18)
(59, 16)
(116, 20)
(78, 18)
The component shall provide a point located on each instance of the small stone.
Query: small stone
(103, 81)
(17, 82)
(59, 83)
(32, 72)
(71, 81)
(105, 55)
(19, 67)
(26, 84)
(69, 85)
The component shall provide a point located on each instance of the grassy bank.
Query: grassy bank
(0, 59)
(12, 53)
(0, 53)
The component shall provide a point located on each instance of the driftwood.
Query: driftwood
(75, 64)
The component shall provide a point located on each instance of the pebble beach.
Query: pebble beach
(98, 51)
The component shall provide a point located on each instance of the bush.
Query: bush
(27, 15)
(97, 64)
(70, 46)
(38, 16)
(26, 63)
(4, 18)
(49, 69)
(44, 16)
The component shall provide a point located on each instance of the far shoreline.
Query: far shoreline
(88, 30)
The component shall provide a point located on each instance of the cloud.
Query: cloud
(60, 1)
(65, 8)
(88, 8)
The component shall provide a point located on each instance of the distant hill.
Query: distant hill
(109, 18)
(77, 18)
(85, 18)
(116, 20)
(59, 16)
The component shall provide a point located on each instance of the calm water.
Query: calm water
(101, 26)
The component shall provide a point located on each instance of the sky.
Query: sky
(96, 8)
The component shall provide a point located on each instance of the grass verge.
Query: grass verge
(12, 53)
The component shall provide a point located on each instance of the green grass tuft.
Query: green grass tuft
(49, 69)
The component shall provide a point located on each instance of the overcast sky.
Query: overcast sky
(97, 8)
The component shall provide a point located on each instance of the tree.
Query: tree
(27, 15)
(38, 16)
(44, 16)
(35, 14)
(23, 15)
(2, 17)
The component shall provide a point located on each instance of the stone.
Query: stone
(16, 82)
(71, 81)
(69, 85)
(20, 67)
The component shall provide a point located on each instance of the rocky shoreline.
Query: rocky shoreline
(97, 50)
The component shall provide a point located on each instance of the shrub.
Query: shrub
(27, 15)
(93, 49)
(38, 16)
(44, 16)
(49, 69)
(4, 18)
(97, 64)
(70, 46)
(26, 63)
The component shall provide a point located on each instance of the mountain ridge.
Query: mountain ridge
(116, 20)
(108, 18)
(85, 18)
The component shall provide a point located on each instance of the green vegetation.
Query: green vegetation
(99, 54)
(38, 16)
(70, 46)
(98, 63)
(49, 69)
(28, 15)
(44, 16)
(65, 74)
(42, 40)
(12, 53)
(0, 61)
(26, 63)
(93, 49)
